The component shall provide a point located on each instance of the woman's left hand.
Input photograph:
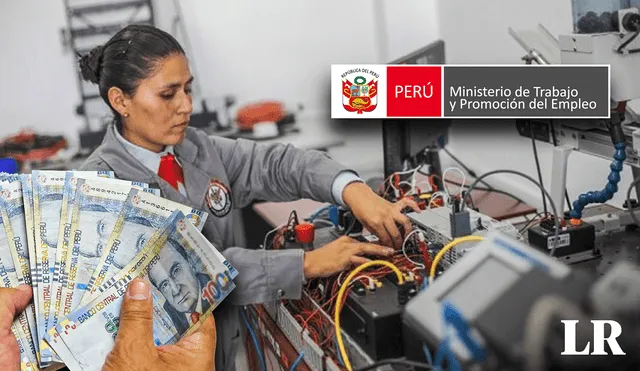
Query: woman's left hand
(378, 215)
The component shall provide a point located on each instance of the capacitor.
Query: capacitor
(305, 234)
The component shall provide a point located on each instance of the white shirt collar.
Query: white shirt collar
(149, 159)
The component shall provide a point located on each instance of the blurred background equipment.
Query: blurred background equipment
(28, 149)
(267, 119)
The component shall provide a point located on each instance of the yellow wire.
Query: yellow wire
(343, 289)
(449, 246)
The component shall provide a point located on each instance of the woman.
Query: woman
(144, 77)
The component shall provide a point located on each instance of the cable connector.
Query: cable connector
(404, 292)
(460, 223)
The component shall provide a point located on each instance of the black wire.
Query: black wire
(538, 215)
(535, 154)
(555, 144)
(396, 361)
(481, 189)
(556, 218)
(490, 190)
(351, 225)
(465, 167)
(624, 44)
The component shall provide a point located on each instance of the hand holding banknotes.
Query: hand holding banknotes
(134, 348)
(12, 302)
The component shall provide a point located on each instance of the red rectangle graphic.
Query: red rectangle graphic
(414, 91)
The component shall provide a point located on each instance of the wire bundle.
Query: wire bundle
(321, 296)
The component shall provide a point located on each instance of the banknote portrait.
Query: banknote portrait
(50, 205)
(97, 223)
(181, 283)
(136, 233)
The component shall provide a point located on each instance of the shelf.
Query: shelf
(83, 10)
(103, 30)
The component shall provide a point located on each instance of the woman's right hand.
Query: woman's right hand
(340, 255)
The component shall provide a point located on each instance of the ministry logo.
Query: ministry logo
(360, 90)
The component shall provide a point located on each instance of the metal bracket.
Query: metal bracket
(559, 175)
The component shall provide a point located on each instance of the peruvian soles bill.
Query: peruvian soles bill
(68, 198)
(142, 214)
(36, 276)
(48, 189)
(95, 211)
(12, 218)
(20, 327)
(178, 252)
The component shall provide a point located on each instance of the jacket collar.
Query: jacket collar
(114, 153)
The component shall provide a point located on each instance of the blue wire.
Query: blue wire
(317, 213)
(295, 364)
(427, 354)
(255, 340)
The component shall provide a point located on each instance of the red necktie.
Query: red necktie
(170, 170)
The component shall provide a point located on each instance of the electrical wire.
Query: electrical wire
(449, 246)
(444, 179)
(255, 340)
(297, 361)
(318, 212)
(324, 221)
(396, 361)
(266, 236)
(627, 42)
(444, 196)
(492, 190)
(535, 155)
(404, 247)
(343, 289)
(465, 167)
(553, 205)
(536, 219)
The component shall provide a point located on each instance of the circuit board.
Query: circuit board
(371, 314)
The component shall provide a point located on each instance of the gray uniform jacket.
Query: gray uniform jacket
(251, 171)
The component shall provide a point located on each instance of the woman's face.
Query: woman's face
(160, 109)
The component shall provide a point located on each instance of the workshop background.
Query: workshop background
(243, 52)
(257, 50)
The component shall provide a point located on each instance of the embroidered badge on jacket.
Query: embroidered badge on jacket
(218, 198)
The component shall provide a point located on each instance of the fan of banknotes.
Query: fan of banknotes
(78, 238)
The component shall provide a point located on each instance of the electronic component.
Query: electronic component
(437, 229)
(493, 288)
(575, 243)
(373, 321)
(305, 235)
(460, 222)
(348, 221)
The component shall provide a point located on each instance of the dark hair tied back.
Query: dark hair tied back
(90, 65)
(130, 56)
